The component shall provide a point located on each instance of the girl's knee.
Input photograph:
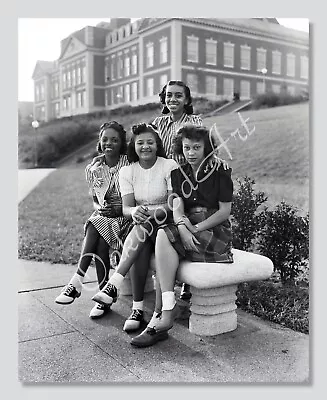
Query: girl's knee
(162, 237)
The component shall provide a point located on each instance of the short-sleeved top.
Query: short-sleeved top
(149, 186)
(218, 187)
(167, 129)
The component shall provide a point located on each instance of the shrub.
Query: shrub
(285, 240)
(271, 99)
(246, 219)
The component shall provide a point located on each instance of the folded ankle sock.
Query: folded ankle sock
(116, 280)
(77, 281)
(168, 301)
(138, 305)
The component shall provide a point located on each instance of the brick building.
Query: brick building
(121, 62)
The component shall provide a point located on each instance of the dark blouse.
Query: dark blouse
(208, 193)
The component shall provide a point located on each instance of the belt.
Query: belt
(198, 209)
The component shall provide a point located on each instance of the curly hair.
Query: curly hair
(137, 130)
(121, 132)
(188, 108)
(195, 133)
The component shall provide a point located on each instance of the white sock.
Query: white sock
(116, 280)
(77, 281)
(137, 305)
(153, 320)
(168, 301)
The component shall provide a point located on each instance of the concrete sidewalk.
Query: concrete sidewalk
(62, 344)
(28, 179)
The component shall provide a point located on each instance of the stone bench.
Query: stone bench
(213, 288)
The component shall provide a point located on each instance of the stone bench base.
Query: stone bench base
(213, 287)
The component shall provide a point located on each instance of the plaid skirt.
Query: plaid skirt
(215, 243)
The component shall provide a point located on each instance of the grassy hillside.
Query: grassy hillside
(276, 155)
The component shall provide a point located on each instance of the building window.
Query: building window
(245, 89)
(106, 97)
(37, 93)
(134, 64)
(106, 70)
(192, 82)
(119, 67)
(64, 79)
(57, 109)
(83, 98)
(120, 95)
(69, 82)
(211, 85)
(246, 57)
(304, 67)
(42, 91)
(163, 50)
(275, 88)
(134, 91)
(56, 89)
(73, 76)
(79, 77)
(127, 94)
(290, 65)
(228, 87)
(149, 87)
(260, 87)
(276, 62)
(211, 52)
(192, 49)
(261, 59)
(229, 55)
(67, 103)
(163, 80)
(112, 69)
(127, 66)
(83, 72)
(149, 55)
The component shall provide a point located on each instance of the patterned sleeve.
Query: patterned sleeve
(125, 180)
(89, 179)
(197, 120)
(225, 185)
(155, 122)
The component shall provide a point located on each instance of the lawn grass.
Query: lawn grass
(288, 306)
(51, 218)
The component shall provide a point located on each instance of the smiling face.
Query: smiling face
(110, 143)
(175, 99)
(193, 151)
(146, 146)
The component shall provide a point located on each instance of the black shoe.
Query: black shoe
(134, 321)
(68, 294)
(107, 295)
(149, 337)
(185, 292)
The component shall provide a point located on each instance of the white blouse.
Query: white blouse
(149, 186)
